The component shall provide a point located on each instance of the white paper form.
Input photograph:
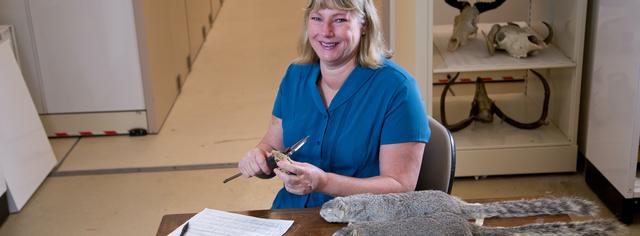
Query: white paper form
(213, 222)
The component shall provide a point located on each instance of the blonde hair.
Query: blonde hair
(371, 51)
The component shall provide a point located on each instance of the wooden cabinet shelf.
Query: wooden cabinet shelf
(479, 136)
(474, 56)
(498, 148)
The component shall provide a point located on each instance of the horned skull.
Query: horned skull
(519, 42)
(465, 24)
(483, 108)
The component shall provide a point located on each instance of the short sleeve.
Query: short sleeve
(405, 119)
(281, 97)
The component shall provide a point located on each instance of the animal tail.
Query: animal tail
(540, 206)
(592, 228)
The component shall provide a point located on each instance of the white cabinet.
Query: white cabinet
(612, 108)
(498, 148)
(105, 67)
(86, 56)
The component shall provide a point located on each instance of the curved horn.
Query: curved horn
(543, 116)
(547, 40)
(457, 4)
(443, 117)
(490, 40)
(485, 6)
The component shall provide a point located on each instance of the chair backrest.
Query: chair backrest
(438, 160)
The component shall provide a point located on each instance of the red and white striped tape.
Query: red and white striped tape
(473, 80)
(84, 133)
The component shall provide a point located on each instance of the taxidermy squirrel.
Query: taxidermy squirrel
(447, 223)
(437, 213)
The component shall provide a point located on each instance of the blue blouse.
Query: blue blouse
(373, 107)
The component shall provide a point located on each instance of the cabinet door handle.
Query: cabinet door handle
(189, 63)
(179, 83)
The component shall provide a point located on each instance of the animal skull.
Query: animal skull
(519, 42)
(483, 108)
(465, 24)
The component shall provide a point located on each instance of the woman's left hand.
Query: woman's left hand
(305, 178)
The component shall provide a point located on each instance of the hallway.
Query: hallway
(122, 185)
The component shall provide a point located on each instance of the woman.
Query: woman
(363, 113)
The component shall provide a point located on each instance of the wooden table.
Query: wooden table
(307, 221)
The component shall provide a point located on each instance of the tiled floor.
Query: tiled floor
(222, 111)
(62, 147)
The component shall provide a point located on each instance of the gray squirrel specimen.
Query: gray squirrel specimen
(447, 223)
(428, 212)
(392, 206)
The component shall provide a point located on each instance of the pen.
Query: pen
(185, 228)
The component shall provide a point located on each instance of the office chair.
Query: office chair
(438, 160)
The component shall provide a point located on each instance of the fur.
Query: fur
(437, 213)
(592, 228)
(389, 207)
(445, 223)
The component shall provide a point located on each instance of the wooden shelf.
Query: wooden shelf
(498, 148)
(481, 136)
(474, 56)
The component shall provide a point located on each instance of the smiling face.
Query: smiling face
(334, 35)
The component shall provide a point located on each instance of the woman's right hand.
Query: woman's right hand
(254, 163)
